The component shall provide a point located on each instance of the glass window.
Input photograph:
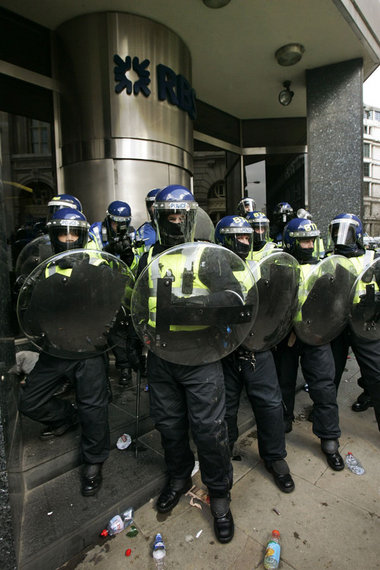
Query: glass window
(28, 173)
(366, 169)
(377, 115)
(366, 150)
(366, 188)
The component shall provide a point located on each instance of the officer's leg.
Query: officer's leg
(169, 414)
(168, 411)
(206, 406)
(339, 347)
(92, 399)
(264, 394)
(37, 399)
(286, 359)
(318, 368)
(233, 386)
(368, 357)
(117, 339)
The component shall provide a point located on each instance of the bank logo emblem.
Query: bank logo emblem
(171, 87)
(140, 69)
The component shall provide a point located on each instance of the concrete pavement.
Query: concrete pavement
(331, 520)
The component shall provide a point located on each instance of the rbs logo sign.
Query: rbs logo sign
(170, 87)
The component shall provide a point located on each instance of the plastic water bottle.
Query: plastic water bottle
(118, 523)
(354, 464)
(272, 552)
(159, 552)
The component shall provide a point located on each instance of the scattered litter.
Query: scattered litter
(276, 511)
(354, 464)
(159, 552)
(128, 552)
(124, 441)
(189, 538)
(50, 513)
(199, 533)
(132, 532)
(119, 522)
(196, 468)
(197, 494)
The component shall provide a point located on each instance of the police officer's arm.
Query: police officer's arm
(216, 273)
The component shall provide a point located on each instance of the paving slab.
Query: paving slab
(331, 520)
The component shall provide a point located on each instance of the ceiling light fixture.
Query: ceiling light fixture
(216, 3)
(289, 54)
(285, 96)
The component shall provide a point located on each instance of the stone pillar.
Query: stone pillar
(335, 140)
(7, 400)
(127, 110)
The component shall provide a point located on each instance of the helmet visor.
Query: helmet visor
(67, 234)
(175, 222)
(343, 232)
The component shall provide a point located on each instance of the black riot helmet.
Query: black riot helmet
(283, 213)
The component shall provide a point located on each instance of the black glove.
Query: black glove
(127, 256)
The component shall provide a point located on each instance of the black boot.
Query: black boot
(330, 449)
(125, 377)
(91, 480)
(50, 432)
(363, 402)
(223, 522)
(281, 475)
(171, 494)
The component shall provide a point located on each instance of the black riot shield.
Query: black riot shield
(34, 253)
(194, 303)
(324, 300)
(365, 303)
(68, 304)
(277, 278)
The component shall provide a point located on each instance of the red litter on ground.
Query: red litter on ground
(128, 552)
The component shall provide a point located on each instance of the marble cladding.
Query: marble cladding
(335, 140)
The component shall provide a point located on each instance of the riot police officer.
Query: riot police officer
(179, 394)
(261, 241)
(114, 235)
(282, 214)
(245, 206)
(63, 201)
(146, 233)
(68, 230)
(346, 238)
(317, 362)
(255, 371)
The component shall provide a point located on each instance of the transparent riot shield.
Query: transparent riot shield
(194, 303)
(68, 304)
(204, 228)
(324, 300)
(365, 303)
(277, 278)
(32, 255)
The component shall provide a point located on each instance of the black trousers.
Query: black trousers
(183, 397)
(117, 340)
(90, 380)
(367, 353)
(263, 391)
(318, 369)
